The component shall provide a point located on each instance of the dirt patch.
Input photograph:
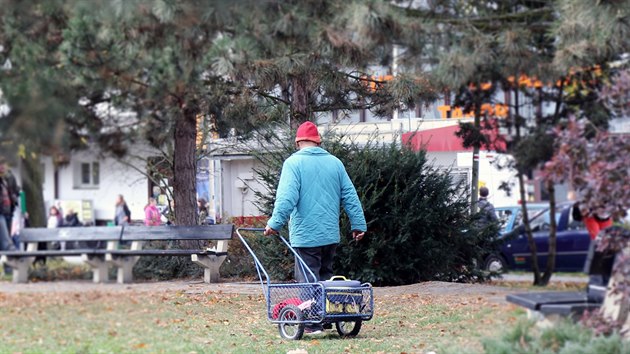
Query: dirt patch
(437, 288)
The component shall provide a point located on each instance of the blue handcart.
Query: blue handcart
(345, 303)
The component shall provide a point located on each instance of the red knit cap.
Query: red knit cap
(308, 131)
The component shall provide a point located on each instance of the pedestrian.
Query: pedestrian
(54, 218)
(9, 196)
(595, 220)
(202, 207)
(152, 216)
(313, 186)
(71, 219)
(123, 214)
(486, 209)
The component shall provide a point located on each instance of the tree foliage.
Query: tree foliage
(118, 74)
(595, 162)
(309, 57)
(540, 53)
(121, 73)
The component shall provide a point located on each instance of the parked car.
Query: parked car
(572, 242)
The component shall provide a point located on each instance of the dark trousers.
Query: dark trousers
(318, 259)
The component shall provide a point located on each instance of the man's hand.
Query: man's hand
(269, 231)
(357, 235)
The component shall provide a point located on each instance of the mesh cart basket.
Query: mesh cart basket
(292, 306)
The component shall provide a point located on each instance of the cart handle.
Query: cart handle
(259, 266)
(338, 277)
(303, 267)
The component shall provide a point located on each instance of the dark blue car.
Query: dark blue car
(572, 242)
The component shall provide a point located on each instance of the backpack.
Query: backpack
(127, 211)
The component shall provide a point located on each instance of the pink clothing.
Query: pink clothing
(152, 216)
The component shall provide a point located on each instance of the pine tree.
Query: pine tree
(148, 62)
(33, 93)
(468, 44)
(306, 58)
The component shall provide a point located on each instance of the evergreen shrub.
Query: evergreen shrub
(419, 226)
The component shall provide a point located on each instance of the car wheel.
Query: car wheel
(495, 263)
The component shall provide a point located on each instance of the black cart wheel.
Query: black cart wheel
(348, 328)
(291, 326)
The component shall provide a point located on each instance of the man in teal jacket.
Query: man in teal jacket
(313, 186)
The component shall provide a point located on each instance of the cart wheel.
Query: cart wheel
(291, 325)
(348, 329)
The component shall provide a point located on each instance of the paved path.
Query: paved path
(431, 288)
(554, 279)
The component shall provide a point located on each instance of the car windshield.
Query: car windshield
(511, 217)
(541, 221)
(532, 212)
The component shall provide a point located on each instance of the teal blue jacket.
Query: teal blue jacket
(313, 186)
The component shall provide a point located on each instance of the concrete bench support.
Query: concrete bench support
(100, 268)
(211, 263)
(20, 265)
(99, 265)
(124, 264)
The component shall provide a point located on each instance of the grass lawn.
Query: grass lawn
(176, 322)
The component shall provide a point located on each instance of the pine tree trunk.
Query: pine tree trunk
(521, 185)
(474, 188)
(32, 185)
(300, 112)
(553, 228)
(184, 168)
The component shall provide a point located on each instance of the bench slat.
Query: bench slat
(573, 309)
(150, 252)
(80, 233)
(170, 233)
(48, 253)
(533, 301)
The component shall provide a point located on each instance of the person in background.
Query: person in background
(202, 207)
(169, 212)
(594, 220)
(152, 214)
(486, 208)
(123, 214)
(9, 191)
(9, 195)
(6, 243)
(71, 219)
(54, 218)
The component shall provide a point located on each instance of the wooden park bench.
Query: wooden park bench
(101, 247)
(209, 258)
(550, 306)
(30, 237)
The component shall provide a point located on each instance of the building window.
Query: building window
(87, 175)
(460, 178)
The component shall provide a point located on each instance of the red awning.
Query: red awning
(442, 139)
